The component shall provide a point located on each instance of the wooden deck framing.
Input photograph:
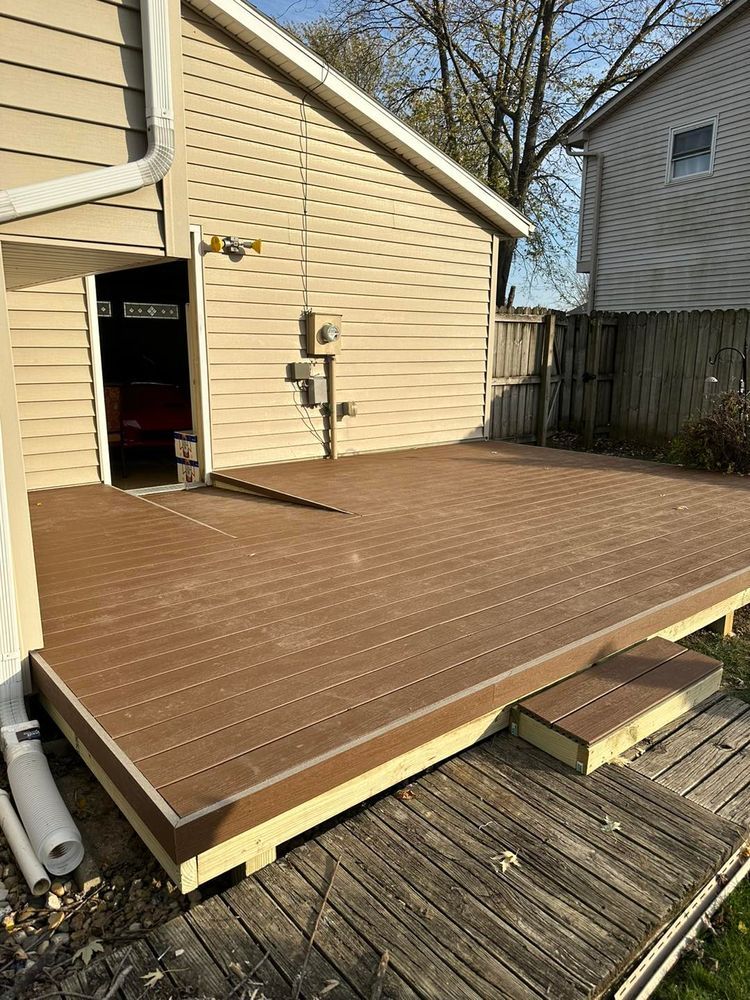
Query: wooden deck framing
(237, 669)
(583, 910)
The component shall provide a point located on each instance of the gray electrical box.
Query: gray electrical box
(317, 391)
(300, 371)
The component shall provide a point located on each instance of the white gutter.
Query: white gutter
(48, 196)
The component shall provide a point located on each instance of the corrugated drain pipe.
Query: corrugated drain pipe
(48, 835)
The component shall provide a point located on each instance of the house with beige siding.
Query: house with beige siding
(192, 206)
(358, 217)
(665, 217)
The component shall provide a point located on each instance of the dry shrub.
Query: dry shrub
(719, 439)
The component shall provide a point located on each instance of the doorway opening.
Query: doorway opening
(145, 360)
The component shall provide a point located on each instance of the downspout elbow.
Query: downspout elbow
(109, 182)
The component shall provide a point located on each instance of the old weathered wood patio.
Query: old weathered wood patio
(614, 873)
(236, 669)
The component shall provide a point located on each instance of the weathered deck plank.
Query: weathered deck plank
(418, 874)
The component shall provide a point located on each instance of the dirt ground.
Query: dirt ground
(44, 939)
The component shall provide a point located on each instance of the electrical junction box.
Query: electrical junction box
(323, 333)
(300, 371)
(317, 391)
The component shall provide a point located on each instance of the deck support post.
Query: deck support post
(591, 387)
(723, 626)
(545, 381)
(254, 864)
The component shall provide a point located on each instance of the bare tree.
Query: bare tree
(499, 84)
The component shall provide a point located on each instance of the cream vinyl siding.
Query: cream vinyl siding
(347, 228)
(683, 244)
(71, 99)
(54, 384)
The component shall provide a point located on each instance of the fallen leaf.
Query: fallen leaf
(180, 951)
(611, 825)
(328, 987)
(742, 927)
(404, 794)
(152, 978)
(682, 507)
(502, 862)
(236, 968)
(87, 952)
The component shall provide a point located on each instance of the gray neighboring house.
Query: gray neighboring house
(665, 197)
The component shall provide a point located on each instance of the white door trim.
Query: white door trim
(198, 342)
(100, 412)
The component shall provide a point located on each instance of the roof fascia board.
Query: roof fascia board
(657, 69)
(292, 58)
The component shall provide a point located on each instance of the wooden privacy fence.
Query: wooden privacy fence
(635, 376)
(550, 372)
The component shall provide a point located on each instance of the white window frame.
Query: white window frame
(688, 127)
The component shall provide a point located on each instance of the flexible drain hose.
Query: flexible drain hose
(52, 833)
(23, 852)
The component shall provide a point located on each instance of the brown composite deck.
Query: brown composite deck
(224, 658)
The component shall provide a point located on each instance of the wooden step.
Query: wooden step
(592, 717)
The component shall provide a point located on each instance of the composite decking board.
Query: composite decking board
(334, 668)
(211, 643)
(554, 704)
(217, 566)
(420, 602)
(405, 719)
(276, 670)
(299, 612)
(472, 517)
(339, 483)
(395, 586)
(245, 676)
(272, 578)
(420, 655)
(626, 703)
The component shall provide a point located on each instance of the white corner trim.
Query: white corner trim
(97, 375)
(198, 307)
(296, 61)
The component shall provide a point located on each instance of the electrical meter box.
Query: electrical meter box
(323, 333)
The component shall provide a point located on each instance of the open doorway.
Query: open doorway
(143, 333)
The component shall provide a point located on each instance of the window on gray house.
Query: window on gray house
(692, 151)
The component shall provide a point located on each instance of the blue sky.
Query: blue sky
(286, 11)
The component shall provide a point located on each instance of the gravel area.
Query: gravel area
(44, 939)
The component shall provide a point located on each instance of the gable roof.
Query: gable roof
(295, 60)
(716, 22)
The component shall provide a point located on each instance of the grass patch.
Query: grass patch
(718, 965)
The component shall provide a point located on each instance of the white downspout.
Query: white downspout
(48, 196)
(46, 833)
(52, 834)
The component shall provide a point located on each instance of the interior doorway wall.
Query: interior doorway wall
(144, 361)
